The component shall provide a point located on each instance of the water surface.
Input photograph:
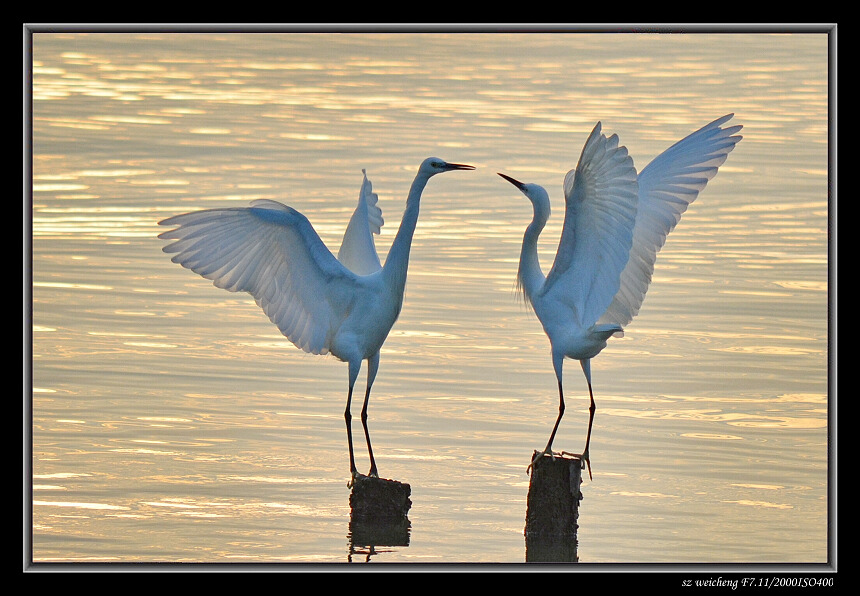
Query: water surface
(172, 422)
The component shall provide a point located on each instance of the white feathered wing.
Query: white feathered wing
(358, 251)
(667, 186)
(272, 252)
(600, 210)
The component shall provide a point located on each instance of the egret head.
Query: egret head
(433, 165)
(535, 193)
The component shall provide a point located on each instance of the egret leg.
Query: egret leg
(557, 362)
(548, 448)
(347, 416)
(372, 473)
(372, 366)
(585, 456)
(348, 419)
(586, 368)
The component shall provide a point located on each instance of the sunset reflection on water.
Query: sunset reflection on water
(172, 422)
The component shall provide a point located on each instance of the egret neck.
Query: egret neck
(530, 277)
(397, 261)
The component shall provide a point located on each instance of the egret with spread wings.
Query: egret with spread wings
(615, 223)
(344, 306)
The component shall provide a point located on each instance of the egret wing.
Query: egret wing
(667, 186)
(600, 210)
(272, 252)
(358, 251)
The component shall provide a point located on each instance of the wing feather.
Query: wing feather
(667, 186)
(358, 251)
(600, 209)
(272, 252)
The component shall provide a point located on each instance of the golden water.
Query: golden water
(171, 421)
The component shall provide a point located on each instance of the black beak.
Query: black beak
(516, 183)
(458, 166)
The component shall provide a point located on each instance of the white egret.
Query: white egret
(344, 306)
(615, 223)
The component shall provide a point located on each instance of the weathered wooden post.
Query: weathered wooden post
(553, 508)
(378, 509)
(379, 498)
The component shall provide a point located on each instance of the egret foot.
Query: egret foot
(585, 458)
(358, 476)
(354, 476)
(538, 456)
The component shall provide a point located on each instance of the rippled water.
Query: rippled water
(172, 422)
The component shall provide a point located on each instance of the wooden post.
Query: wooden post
(379, 499)
(553, 508)
(378, 509)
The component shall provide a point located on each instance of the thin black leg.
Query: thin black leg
(373, 473)
(347, 416)
(557, 420)
(591, 409)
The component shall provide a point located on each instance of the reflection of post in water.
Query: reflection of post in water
(553, 509)
(378, 509)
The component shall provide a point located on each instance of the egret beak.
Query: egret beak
(516, 183)
(458, 166)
